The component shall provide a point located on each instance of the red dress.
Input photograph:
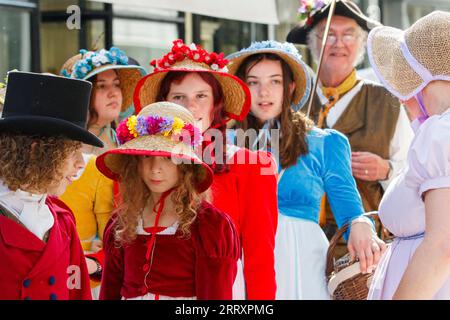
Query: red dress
(31, 269)
(248, 193)
(202, 266)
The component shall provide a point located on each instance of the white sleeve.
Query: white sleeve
(398, 149)
(429, 158)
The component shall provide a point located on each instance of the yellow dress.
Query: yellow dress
(91, 200)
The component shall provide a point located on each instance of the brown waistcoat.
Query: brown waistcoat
(369, 123)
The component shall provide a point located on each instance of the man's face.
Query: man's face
(343, 44)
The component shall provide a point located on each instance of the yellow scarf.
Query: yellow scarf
(333, 94)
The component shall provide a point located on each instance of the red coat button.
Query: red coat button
(146, 267)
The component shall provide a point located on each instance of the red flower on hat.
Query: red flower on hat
(180, 51)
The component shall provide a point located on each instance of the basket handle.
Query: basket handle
(335, 239)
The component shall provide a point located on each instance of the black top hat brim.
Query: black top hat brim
(48, 126)
(343, 8)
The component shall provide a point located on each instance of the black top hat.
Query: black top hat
(47, 105)
(344, 8)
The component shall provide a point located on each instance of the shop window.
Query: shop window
(15, 40)
(145, 34)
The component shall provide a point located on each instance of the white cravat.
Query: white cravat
(29, 208)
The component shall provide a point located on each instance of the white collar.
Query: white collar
(29, 208)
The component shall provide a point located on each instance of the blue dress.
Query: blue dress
(326, 168)
(301, 245)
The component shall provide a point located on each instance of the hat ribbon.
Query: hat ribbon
(424, 116)
(160, 205)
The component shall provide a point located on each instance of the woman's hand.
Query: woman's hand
(365, 245)
(91, 265)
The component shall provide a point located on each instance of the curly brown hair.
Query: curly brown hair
(33, 162)
(135, 194)
(294, 125)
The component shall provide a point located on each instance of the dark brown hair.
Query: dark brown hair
(294, 125)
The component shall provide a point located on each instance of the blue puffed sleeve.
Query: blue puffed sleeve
(339, 184)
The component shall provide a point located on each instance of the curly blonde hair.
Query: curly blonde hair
(135, 194)
(33, 162)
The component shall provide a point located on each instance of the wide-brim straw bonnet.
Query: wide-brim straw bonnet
(343, 8)
(288, 53)
(128, 74)
(237, 98)
(110, 162)
(406, 61)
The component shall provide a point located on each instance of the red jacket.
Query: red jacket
(32, 269)
(248, 193)
(203, 265)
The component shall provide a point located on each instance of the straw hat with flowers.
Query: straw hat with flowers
(160, 129)
(87, 64)
(194, 58)
(287, 52)
(406, 61)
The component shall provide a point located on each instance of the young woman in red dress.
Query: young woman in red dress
(245, 182)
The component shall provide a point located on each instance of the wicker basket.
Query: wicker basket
(345, 281)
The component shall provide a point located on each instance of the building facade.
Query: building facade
(39, 35)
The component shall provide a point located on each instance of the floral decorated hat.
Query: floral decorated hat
(194, 58)
(160, 129)
(290, 55)
(311, 12)
(87, 64)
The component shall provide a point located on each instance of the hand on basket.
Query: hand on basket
(365, 245)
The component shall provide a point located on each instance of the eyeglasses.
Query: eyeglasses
(349, 38)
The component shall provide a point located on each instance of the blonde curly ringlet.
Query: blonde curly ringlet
(135, 195)
(33, 163)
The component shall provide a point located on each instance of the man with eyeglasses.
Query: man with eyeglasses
(373, 120)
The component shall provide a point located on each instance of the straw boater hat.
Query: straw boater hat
(160, 129)
(312, 14)
(193, 58)
(406, 61)
(290, 55)
(87, 64)
(47, 105)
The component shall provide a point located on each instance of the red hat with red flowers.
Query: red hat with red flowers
(194, 58)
